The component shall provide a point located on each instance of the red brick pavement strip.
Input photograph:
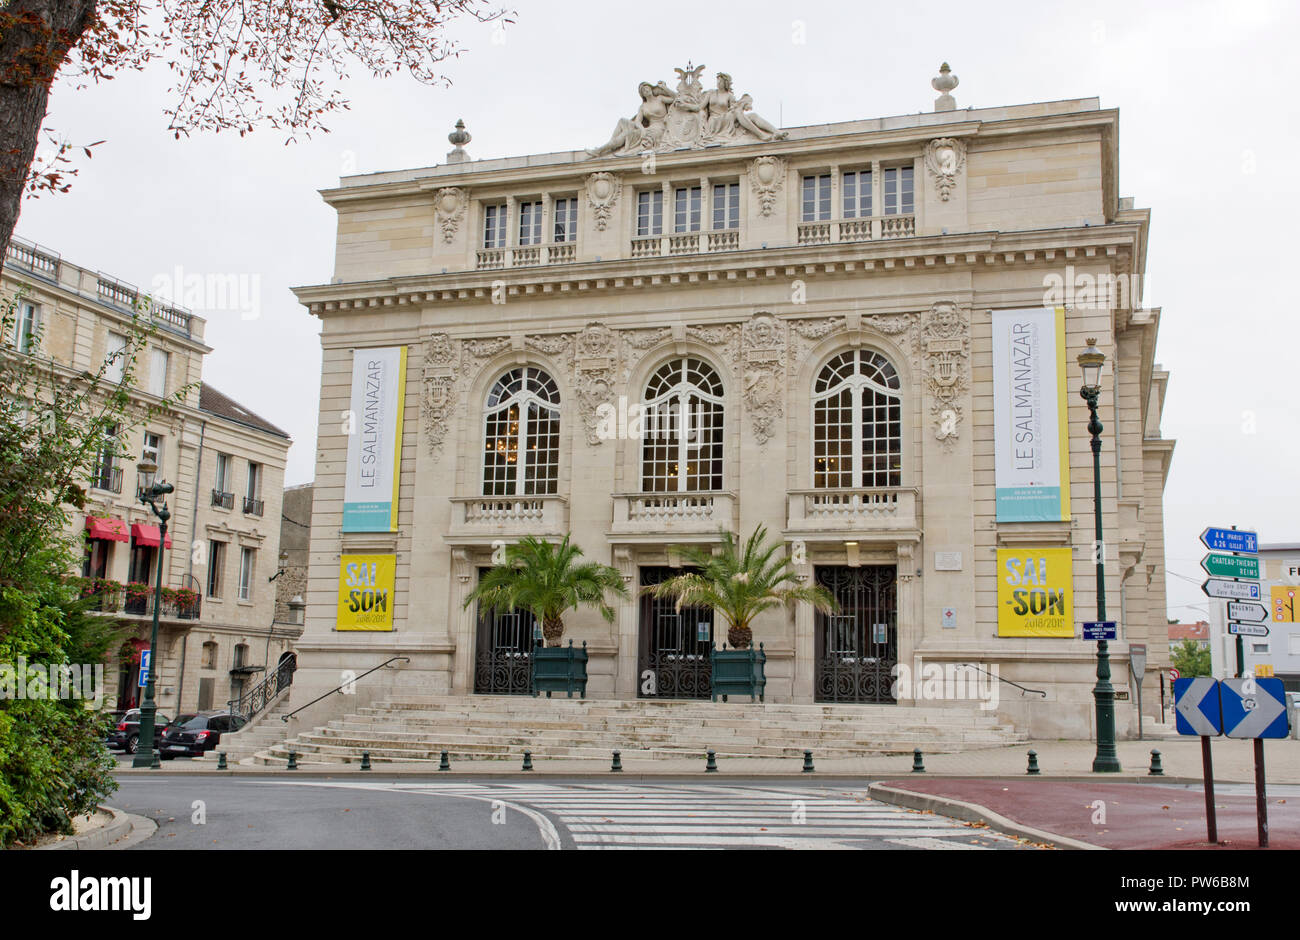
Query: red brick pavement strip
(1138, 816)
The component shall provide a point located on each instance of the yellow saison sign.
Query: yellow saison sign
(366, 592)
(1035, 592)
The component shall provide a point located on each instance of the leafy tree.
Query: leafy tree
(55, 424)
(547, 580)
(1191, 659)
(234, 64)
(740, 582)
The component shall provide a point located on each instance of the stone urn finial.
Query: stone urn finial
(943, 83)
(459, 137)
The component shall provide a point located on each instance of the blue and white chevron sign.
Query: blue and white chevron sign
(1253, 707)
(1196, 706)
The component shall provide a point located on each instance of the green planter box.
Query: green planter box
(560, 669)
(738, 672)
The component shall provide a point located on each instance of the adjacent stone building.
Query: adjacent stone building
(707, 322)
(227, 466)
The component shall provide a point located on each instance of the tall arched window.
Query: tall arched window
(521, 436)
(857, 423)
(681, 448)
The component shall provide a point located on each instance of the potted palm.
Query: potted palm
(548, 580)
(740, 582)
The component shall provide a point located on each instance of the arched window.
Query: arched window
(521, 437)
(857, 423)
(681, 432)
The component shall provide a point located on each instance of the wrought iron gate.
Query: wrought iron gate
(503, 654)
(674, 646)
(857, 646)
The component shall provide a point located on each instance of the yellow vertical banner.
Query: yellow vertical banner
(1035, 592)
(366, 588)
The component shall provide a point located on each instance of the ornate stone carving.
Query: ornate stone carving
(724, 340)
(440, 395)
(484, 348)
(594, 371)
(763, 342)
(603, 190)
(944, 158)
(690, 117)
(766, 177)
(449, 205)
(946, 339)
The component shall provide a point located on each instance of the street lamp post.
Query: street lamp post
(1107, 758)
(146, 755)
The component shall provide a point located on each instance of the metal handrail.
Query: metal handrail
(261, 694)
(405, 659)
(1022, 688)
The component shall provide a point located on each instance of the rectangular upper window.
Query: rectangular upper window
(246, 574)
(115, 357)
(686, 209)
(494, 226)
(216, 567)
(530, 223)
(26, 326)
(726, 206)
(566, 220)
(856, 189)
(222, 481)
(158, 362)
(817, 198)
(650, 212)
(898, 191)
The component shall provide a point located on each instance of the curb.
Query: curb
(119, 832)
(971, 812)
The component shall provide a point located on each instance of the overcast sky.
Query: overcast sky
(1208, 137)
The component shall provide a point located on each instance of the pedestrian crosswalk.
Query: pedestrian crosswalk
(682, 816)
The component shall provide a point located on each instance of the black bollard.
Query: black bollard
(617, 765)
(807, 762)
(1157, 769)
(710, 763)
(1033, 763)
(918, 765)
(293, 760)
(221, 760)
(528, 760)
(365, 760)
(444, 763)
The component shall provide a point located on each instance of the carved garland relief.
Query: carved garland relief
(766, 177)
(945, 157)
(946, 335)
(603, 190)
(449, 205)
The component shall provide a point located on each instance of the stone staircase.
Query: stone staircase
(265, 731)
(481, 727)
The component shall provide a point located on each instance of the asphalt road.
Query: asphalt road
(306, 813)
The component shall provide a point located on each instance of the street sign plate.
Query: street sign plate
(145, 657)
(1196, 706)
(1247, 613)
(1137, 659)
(1174, 674)
(1230, 540)
(1231, 566)
(1248, 629)
(1231, 590)
(1099, 630)
(1254, 708)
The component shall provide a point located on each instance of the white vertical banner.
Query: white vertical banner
(1031, 443)
(375, 444)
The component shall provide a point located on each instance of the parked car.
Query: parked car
(194, 734)
(125, 735)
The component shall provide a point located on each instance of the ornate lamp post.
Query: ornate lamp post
(145, 755)
(1107, 759)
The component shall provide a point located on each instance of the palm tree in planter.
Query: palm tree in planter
(548, 580)
(740, 582)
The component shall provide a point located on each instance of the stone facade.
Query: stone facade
(764, 296)
(206, 647)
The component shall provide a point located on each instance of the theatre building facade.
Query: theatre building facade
(861, 336)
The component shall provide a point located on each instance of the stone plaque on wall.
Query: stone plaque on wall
(947, 561)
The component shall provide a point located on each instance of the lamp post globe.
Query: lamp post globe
(1106, 760)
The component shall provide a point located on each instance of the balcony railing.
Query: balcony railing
(252, 507)
(491, 516)
(685, 243)
(856, 230)
(38, 260)
(108, 478)
(137, 600)
(658, 513)
(526, 256)
(125, 296)
(223, 499)
(884, 508)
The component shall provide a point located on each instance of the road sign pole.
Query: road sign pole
(1207, 768)
(1261, 805)
(1240, 667)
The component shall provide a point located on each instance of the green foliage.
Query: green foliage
(55, 426)
(1191, 660)
(547, 580)
(740, 582)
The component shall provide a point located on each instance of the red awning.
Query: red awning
(112, 529)
(147, 535)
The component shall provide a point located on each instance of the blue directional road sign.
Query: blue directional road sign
(1099, 630)
(1254, 708)
(1230, 540)
(146, 656)
(1196, 706)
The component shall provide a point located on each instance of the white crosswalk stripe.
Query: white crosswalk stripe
(663, 816)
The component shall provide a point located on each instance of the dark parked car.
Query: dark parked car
(196, 733)
(125, 735)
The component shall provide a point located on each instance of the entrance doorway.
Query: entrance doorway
(503, 654)
(674, 645)
(857, 646)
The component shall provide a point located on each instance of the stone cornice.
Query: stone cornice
(975, 250)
